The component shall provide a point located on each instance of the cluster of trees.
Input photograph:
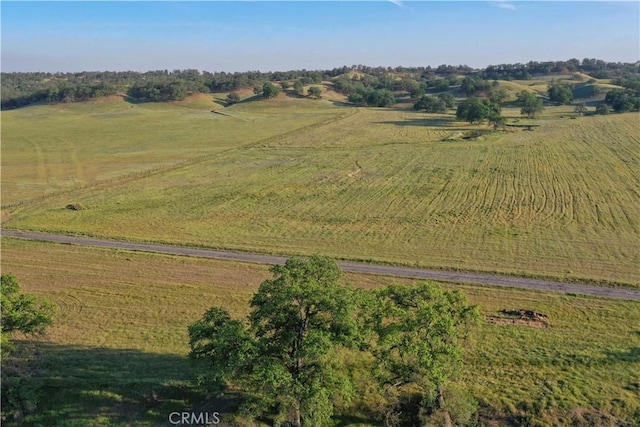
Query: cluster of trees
(19, 89)
(560, 93)
(631, 81)
(308, 334)
(158, 91)
(474, 85)
(435, 104)
(594, 67)
(477, 110)
(372, 97)
(623, 100)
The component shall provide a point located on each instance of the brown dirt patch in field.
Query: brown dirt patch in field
(522, 317)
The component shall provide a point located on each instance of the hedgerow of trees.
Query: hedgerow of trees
(308, 332)
(19, 89)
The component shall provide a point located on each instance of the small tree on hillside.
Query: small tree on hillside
(233, 98)
(477, 110)
(315, 92)
(530, 103)
(379, 98)
(581, 108)
(269, 90)
(560, 93)
(298, 87)
(448, 99)
(430, 104)
(441, 85)
(602, 108)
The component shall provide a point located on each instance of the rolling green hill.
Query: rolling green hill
(297, 176)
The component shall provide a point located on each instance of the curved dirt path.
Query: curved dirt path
(354, 267)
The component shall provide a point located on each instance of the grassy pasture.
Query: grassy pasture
(116, 352)
(561, 201)
(50, 148)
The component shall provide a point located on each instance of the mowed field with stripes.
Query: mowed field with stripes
(389, 185)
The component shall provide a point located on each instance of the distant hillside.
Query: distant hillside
(20, 89)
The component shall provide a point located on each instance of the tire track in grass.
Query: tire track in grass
(41, 168)
(518, 198)
(69, 306)
(76, 169)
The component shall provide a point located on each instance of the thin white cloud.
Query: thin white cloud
(398, 3)
(503, 4)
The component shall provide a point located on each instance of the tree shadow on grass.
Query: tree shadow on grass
(81, 386)
(249, 99)
(442, 123)
(631, 355)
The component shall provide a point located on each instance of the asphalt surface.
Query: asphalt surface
(354, 267)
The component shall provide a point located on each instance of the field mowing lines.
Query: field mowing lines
(173, 166)
(546, 191)
(495, 187)
(69, 305)
(630, 221)
(76, 172)
(517, 199)
(529, 195)
(41, 168)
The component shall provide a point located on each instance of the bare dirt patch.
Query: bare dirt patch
(75, 207)
(522, 317)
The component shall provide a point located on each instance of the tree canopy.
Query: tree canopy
(315, 92)
(269, 90)
(431, 104)
(530, 103)
(21, 312)
(419, 334)
(477, 110)
(623, 100)
(560, 93)
(233, 98)
(288, 355)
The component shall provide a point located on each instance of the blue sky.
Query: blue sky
(270, 36)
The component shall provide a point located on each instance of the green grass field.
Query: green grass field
(51, 148)
(389, 185)
(116, 354)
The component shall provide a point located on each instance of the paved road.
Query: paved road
(355, 267)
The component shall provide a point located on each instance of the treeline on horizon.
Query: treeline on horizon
(24, 88)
